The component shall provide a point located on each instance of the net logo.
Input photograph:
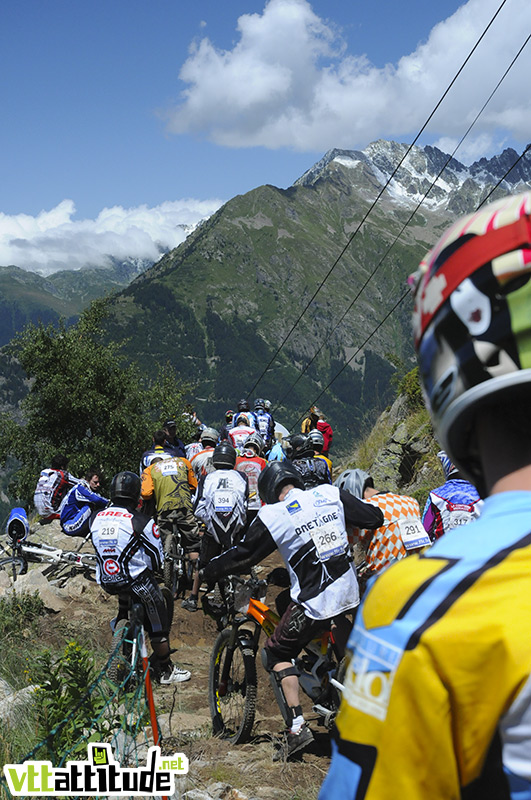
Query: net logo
(101, 775)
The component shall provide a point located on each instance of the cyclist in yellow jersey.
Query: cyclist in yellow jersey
(437, 697)
(171, 482)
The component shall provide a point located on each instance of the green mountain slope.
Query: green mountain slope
(26, 296)
(220, 305)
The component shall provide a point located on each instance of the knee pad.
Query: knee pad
(276, 676)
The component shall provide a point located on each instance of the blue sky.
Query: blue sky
(159, 111)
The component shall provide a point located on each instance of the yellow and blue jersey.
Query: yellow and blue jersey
(437, 700)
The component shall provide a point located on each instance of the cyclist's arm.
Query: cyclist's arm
(192, 480)
(148, 534)
(360, 514)
(255, 545)
(147, 488)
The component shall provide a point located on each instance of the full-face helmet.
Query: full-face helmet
(472, 324)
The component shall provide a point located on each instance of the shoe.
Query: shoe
(175, 675)
(292, 743)
(189, 603)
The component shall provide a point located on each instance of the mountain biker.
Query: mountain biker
(129, 551)
(158, 449)
(81, 502)
(52, 488)
(251, 464)
(172, 482)
(314, 470)
(402, 529)
(263, 422)
(241, 431)
(226, 427)
(221, 503)
(195, 446)
(202, 461)
(437, 698)
(308, 528)
(317, 439)
(454, 503)
(277, 451)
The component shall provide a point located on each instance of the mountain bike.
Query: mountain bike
(178, 568)
(126, 666)
(63, 563)
(232, 683)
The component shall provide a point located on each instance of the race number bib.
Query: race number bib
(413, 533)
(223, 501)
(457, 518)
(168, 468)
(329, 540)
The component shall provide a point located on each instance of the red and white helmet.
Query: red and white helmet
(472, 321)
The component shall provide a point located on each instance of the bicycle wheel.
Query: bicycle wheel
(14, 566)
(232, 707)
(169, 570)
(119, 665)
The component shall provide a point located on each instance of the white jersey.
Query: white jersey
(127, 544)
(221, 503)
(202, 462)
(308, 527)
(51, 491)
(239, 435)
(193, 449)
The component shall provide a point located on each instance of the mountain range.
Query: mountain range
(292, 270)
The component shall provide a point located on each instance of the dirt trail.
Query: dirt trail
(184, 713)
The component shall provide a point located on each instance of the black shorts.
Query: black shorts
(294, 631)
(146, 591)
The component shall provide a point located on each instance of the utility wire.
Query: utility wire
(406, 293)
(507, 173)
(407, 223)
(369, 337)
(384, 187)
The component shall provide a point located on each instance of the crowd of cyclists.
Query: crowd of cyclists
(437, 696)
(211, 490)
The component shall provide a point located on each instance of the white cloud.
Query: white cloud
(289, 82)
(54, 241)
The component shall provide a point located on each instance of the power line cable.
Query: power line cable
(445, 93)
(506, 174)
(408, 221)
(407, 292)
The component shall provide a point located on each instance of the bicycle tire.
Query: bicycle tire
(169, 572)
(14, 566)
(232, 710)
(118, 665)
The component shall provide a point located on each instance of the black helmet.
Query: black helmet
(224, 456)
(125, 486)
(302, 446)
(259, 403)
(243, 405)
(276, 475)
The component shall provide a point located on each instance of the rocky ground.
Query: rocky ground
(81, 610)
